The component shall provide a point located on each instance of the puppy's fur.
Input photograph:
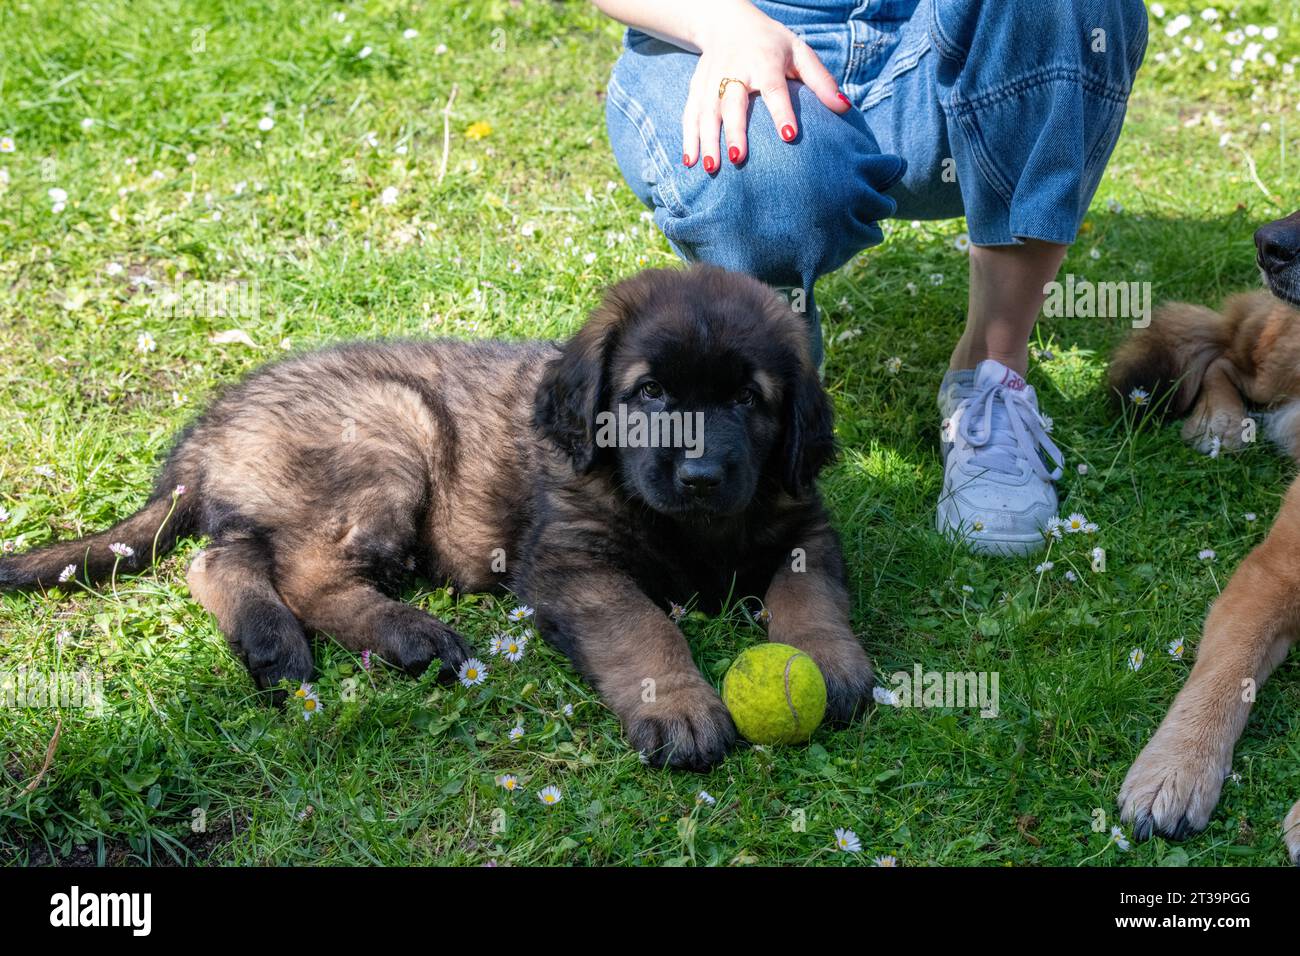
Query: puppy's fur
(326, 480)
(1212, 367)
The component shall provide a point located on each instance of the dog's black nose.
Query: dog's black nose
(1278, 243)
(699, 477)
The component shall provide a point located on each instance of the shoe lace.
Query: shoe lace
(1004, 429)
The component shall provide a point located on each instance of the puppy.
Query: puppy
(1211, 367)
(325, 481)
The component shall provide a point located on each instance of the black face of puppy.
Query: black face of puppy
(1278, 254)
(695, 389)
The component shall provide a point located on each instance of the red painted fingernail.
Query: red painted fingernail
(709, 164)
(787, 132)
(844, 99)
(686, 159)
(733, 153)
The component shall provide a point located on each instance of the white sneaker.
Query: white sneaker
(997, 490)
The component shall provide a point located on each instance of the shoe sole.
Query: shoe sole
(1006, 546)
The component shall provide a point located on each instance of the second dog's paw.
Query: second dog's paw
(1173, 786)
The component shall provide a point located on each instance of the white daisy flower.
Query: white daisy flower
(67, 574)
(936, 278)
(6, 144)
(409, 34)
(1177, 25)
(1071, 576)
(1209, 14)
(893, 365)
(885, 861)
(498, 641)
(1139, 396)
(1082, 469)
(962, 243)
(1114, 205)
(1044, 567)
(113, 269)
(472, 672)
(364, 52)
(1135, 659)
(1206, 554)
(1249, 516)
(266, 124)
(516, 732)
(567, 710)
(522, 613)
(1176, 648)
(513, 648)
(676, 611)
(847, 841)
(121, 550)
(311, 705)
(388, 197)
(45, 471)
(1117, 837)
(508, 781)
(1054, 527)
(706, 798)
(440, 49)
(764, 616)
(1075, 523)
(550, 795)
(4, 514)
(144, 342)
(884, 696)
(87, 123)
(1157, 10)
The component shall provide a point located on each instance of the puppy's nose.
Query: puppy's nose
(1278, 243)
(699, 477)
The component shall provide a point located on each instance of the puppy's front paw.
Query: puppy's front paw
(1291, 833)
(1173, 786)
(1221, 433)
(847, 670)
(687, 727)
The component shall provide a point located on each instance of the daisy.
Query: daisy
(516, 732)
(847, 841)
(567, 710)
(1206, 554)
(962, 243)
(122, 550)
(550, 795)
(764, 616)
(178, 491)
(67, 574)
(676, 611)
(45, 471)
(706, 798)
(522, 613)
(144, 342)
(936, 278)
(472, 672)
(1135, 659)
(4, 514)
(266, 124)
(6, 144)
(440, 49)
(1249, 516)
(884, 696)
(1117, 837)
(1071, 576)
(311, 705)
(1176, 648)
(1114, 205)
(498, 641)
(365, 659)
(508, 781)
(513, 648)
(58, 198)
(1054, 526)
(87, 123)
(364, 52)
(1139, 396)
(1094, 253)
(1044, 567)
(893, 365)
(967, 589)
(1090, 528)
(388, 197)
(885, 861)
(409, 34)
(1075, 523)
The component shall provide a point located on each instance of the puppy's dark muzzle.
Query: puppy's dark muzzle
(1277, 245)
(699, 479)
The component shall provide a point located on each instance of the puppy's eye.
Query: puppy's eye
(746, 396)
(652, 390)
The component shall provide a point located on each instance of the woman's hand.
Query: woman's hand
(741, 42)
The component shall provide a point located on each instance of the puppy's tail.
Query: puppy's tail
(1159, 369)
(170, 513)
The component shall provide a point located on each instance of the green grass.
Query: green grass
(517, 238)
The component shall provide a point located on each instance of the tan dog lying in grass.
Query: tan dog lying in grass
(1211, 367)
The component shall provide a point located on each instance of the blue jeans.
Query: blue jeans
(1004, 111)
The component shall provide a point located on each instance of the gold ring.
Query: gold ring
(722, 87)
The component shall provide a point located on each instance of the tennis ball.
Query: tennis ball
(775, 693)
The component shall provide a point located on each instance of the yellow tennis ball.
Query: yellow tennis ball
(775, 693)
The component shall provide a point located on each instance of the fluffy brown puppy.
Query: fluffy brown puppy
(326, 480)
(1217, 369)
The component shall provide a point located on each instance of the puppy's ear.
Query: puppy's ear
(574, 388)
(809, 431)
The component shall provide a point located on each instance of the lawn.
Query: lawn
(323, 171)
